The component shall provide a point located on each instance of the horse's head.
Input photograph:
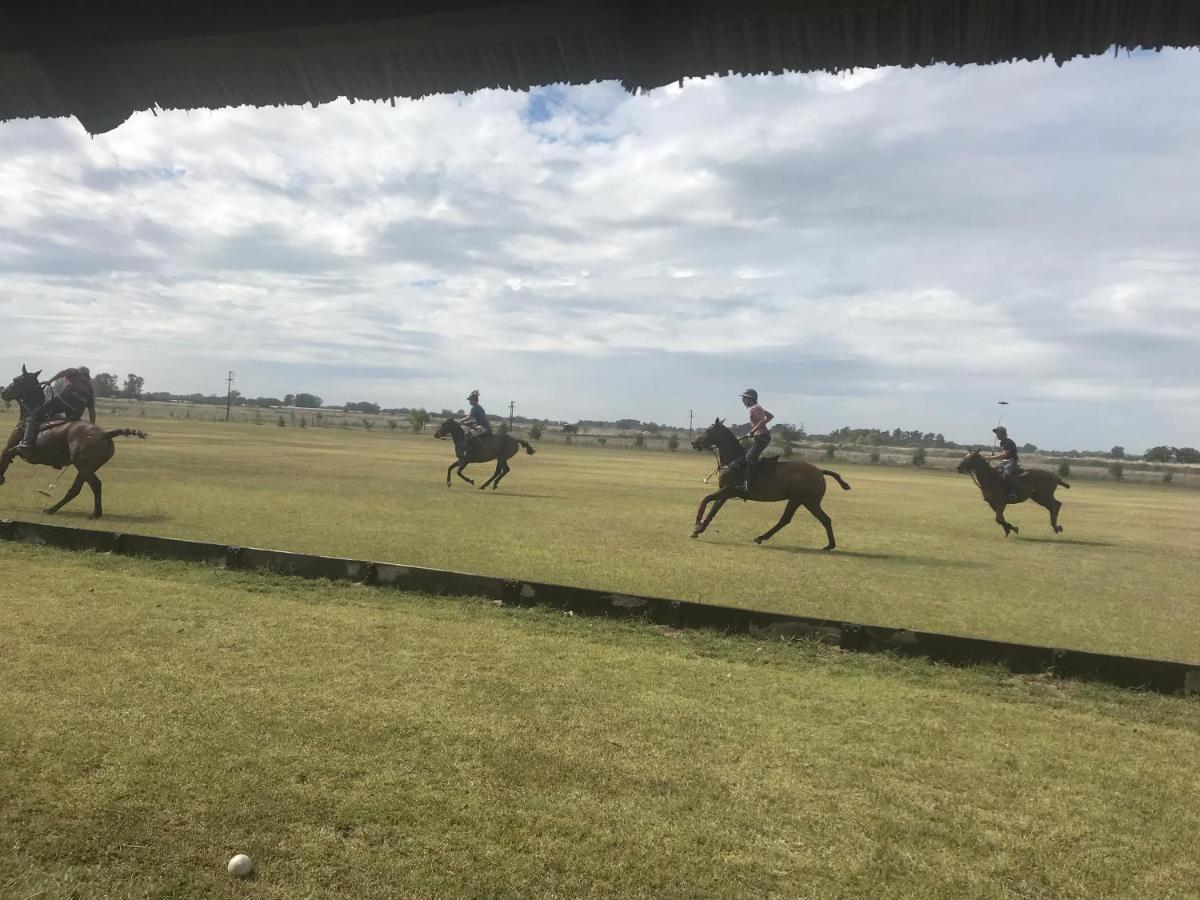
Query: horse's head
(446, 429)
(969, 462)
(710, 437)
(24, 388)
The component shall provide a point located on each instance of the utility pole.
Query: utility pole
(691, 415)
(512, 404)
(228, 393)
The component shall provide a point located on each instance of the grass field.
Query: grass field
(917, 549)
(156, 718)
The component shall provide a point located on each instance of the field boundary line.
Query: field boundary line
(1161, 675)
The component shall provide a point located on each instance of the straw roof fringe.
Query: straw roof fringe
(103, 61)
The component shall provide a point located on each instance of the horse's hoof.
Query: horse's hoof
(695, 534)
(1058, 529)
(759, 540)
(49, 510)
(829, 547)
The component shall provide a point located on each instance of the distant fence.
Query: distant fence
(1126, 671)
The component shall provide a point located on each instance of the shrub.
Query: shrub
(639, 440)
(1064, 469)
(393, 424)
(788, 450)
(535, 431)
(830, 452)
(1117, 471)
(601, 440)
(282, 423)
(673, 442)
(918, 457)
(303, 423)
(875, 457)
(368, 424)
(1168, 477)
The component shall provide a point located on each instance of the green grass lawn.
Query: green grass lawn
(156, 718)
(917, 549)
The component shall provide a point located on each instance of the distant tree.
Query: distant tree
(653, 427)
(1117, 452)
(918, 457)
(628, 424)
(105, 384)
(570, 429)
(307, 401)
(133, 386)
(785, 432)
(289, 400)
(535, 431)
(673, 442)
(1064, 469)
(361, 407)
(1117, 471)
(1159, 454)
(1029, 448)
(418, 419)
(502, 428)
(1189, 455)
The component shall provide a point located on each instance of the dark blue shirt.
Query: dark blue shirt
(1009, 446)
(480, 417)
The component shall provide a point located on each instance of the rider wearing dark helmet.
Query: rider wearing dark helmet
(759, 418)
(76, 398)
(1010, 466)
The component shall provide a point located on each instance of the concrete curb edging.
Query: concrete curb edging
(1165, 676)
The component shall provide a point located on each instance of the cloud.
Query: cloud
(886, 248)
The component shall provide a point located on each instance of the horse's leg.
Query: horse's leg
(7, 455)
(462, 465)
(94, 484)
(823, 517)
(450, 470)
(495, 475)
(718, 499)
(71, 494)
(507, 469)
(790, 511)
(1007, 526)
(1054, 506)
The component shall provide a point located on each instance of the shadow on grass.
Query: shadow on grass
(1072, 541)
(140, 518)
(503, 493)
(858, 554)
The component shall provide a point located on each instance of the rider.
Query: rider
(759, 418)
(76, 398)
(1010, 466)
(478, 421)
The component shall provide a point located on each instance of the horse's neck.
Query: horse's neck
(728, 447)
(984, 472)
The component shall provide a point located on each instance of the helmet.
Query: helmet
(474, 395)
(750, 394)
(1000, 430)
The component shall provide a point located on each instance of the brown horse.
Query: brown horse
(797, 482)
(61, 443)
(1037, 485)
(500, 447)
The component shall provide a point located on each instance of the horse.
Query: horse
(60, 443)
(1037, 485)
(500, 447)
(797, 482)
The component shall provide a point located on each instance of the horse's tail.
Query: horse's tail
(528, 447)
(836, 477)
(1061, 483)
(125, 432)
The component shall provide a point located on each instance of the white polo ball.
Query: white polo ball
(240, 866)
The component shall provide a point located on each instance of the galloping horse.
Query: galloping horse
(1037, 485)
(61, 443)
(797, 482)
(500, 447)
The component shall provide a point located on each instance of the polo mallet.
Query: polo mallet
(50, 486)
(999, 419)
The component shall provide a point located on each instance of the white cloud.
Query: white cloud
(883, 247)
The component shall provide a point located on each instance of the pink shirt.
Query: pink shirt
(759, 418)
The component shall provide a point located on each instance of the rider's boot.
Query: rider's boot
(751, 469)
(26, 447)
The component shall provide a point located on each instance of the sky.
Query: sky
(884, 248)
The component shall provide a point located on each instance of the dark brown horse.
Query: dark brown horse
(1037, 485)
(61, 443)
(500, 447)
(797, 482)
